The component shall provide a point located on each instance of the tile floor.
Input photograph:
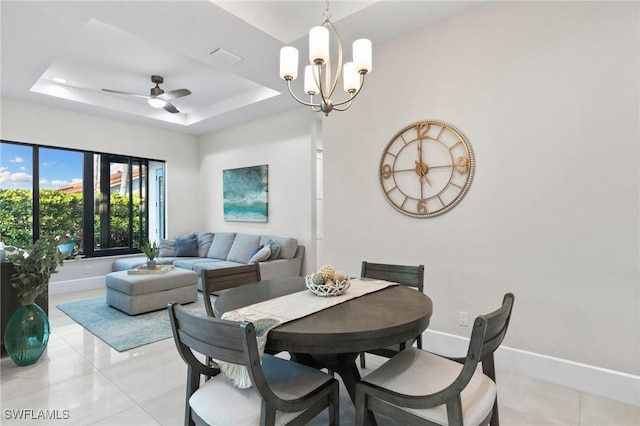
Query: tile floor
(88, 383)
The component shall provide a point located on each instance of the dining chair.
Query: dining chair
(417, 387)
(215, 280)
(411, 276)
(282, 392)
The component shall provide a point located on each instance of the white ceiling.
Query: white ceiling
(119, 45)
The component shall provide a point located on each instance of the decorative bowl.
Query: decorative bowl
(324, 290)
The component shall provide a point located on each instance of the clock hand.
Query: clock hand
(421, 170)
(418, 169)
(426, 179)
(421, 167)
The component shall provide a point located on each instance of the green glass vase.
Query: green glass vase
(27, 334)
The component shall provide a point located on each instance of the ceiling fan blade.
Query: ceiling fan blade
(169, 107)
(125, 93)
(172, 94)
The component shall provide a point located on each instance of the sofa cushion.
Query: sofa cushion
(263, 254)
(207, 265)
(204, 243)
(188, 262)
(167, 248)
(288, 246)
(187, 246)
(221, 245)
(242, 246)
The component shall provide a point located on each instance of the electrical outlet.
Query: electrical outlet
(87, 270)
(463, 319)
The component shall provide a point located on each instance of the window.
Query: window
(105, 200)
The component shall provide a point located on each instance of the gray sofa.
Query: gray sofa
(277, 256)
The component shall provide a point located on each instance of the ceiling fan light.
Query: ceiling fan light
(156, 102)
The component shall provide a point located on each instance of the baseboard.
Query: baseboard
(610, 384)
(70, 286)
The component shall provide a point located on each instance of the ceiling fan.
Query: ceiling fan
(157, 97)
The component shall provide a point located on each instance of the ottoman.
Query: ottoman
(139, 293)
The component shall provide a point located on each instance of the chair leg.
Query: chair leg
(489, 368)
(419, 340)
(360, 405)
(362, 360)
(495, 421)
(334, 406)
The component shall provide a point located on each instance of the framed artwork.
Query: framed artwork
(245, 194)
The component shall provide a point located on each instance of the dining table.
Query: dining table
(333, 337)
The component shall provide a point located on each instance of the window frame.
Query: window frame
(89, 248)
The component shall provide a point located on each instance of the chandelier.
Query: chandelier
(319, 77)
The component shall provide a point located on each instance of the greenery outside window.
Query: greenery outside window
(105, 202)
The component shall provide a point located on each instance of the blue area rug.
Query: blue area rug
(119, 330)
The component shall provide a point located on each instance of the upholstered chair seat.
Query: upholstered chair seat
(416, 372)
(235, 406)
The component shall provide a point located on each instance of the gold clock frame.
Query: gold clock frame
(452, 144)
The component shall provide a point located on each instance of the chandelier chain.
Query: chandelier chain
(327, 12)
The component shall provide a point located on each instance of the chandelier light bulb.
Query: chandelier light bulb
(362, 55)
(350, 77)
(310, 86)
(289, 63)
(318, 45)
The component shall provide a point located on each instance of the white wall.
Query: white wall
(547, 93)
(285, 143)
(36, 124)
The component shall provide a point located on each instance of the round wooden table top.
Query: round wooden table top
(390, 316)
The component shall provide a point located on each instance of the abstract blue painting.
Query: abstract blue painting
(245, 194)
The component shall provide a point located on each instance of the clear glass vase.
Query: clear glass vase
(27, 334)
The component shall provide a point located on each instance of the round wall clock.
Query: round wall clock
(426, 168)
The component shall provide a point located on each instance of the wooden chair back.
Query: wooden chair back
(215, 280)
(235, 342)
(487, 335)
(411, 276)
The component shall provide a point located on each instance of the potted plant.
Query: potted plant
(151, 250)
(66, 244)
(27, 331)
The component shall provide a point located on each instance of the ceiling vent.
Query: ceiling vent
(225, 56)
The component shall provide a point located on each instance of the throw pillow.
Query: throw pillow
(275, 249)
(238, 375)
(187, 247)
(263, 254)
(253, 253)
(204, 243)
(167, 248)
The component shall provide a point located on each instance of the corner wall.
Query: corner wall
(285, 143)
(547, 93)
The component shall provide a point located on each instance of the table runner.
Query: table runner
(297, 305)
